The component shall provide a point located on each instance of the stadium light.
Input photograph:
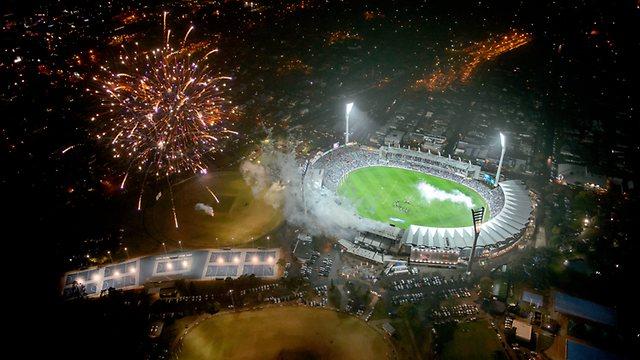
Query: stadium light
(477, 216)
(503, 145)
(346, 137)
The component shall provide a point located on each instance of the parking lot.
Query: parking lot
(320, 269)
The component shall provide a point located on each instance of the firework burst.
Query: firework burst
(163, 110)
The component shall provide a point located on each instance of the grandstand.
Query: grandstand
(206, 264)
(371, 255)
(509, 204)
(500, 230)
(401, 155)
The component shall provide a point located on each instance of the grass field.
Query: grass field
(405, 197)
(239, 215)
(284, 333)
(474, 341)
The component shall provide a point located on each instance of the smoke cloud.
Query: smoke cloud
(255, 175)
(204, 208)
(430, 193)
(319, 211)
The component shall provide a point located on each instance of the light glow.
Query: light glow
(349, 107)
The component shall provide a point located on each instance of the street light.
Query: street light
(502, 144)
(126, 250)
(180, 244)
(165, 248)
(232, 299)
(346, 137)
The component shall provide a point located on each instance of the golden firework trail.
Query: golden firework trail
(162, 111)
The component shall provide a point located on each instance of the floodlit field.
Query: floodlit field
(284, 333)
(405, 197)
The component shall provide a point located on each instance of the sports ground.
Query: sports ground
(284, 333)
(406, 197)
(239, 215)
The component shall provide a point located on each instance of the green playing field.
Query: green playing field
(405, 197)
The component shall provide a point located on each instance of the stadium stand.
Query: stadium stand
(509, 204)
(507, 225)
(371, 255)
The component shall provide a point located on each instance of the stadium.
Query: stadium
(408, 202)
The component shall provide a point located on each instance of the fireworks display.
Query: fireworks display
(163, 110)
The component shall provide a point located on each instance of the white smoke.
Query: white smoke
(430, 193)
(204, 208)
(321, 213)
(255, 175)
(273, 196)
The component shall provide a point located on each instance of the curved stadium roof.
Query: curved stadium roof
(499, 230)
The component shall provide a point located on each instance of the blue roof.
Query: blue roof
(535, 299)
(585, 309)
(578, 351)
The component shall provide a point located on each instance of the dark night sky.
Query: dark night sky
(581, 64)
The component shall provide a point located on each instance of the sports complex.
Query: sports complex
(289, 332)
(409, 202)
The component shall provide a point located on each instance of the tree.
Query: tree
(486, 284)
(335, 297)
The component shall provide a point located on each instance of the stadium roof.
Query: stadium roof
(523, 329)
(351, 248)
(506, 225)
(435, 159)
(381, 229)
(532, 298)
(579, 351)
(585, 309)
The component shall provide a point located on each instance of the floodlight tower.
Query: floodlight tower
(477, 216)
(346, 134)
(502, 144)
